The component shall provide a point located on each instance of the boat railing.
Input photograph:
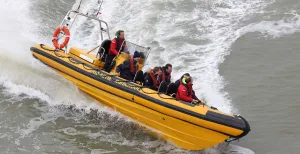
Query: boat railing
(72, 15)
(132, 47)
(101, 54)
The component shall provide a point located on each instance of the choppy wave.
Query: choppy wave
(194, 36)
(274, 29)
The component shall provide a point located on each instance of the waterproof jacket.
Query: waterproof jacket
(127, 69)
(152, 81)
(116, 45)
(186, 93)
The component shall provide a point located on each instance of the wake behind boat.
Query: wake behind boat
(189, 126)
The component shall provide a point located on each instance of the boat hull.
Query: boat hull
(173, 121)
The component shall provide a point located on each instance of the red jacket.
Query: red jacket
(185, 93)
(116, 45)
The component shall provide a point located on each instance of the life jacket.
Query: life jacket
(154, 79)
(164, 76)
(119, 43)
(184, 94)
(188, 86)
(190, 89)
(132, 68)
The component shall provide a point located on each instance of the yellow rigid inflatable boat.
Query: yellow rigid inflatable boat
(192, 127)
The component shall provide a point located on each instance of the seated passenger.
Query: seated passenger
(129, 67)
(185, 91)
(139, 77)
(166, 73)
(179, 82)
(117, 44)
(152, 79)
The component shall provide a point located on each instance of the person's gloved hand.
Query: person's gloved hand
(194, 101)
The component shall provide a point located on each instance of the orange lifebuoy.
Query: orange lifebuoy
(55, 40)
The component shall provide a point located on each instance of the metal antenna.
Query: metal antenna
(100, 2)
(79, 5)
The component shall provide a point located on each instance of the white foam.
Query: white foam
(15, 89)
(114, 138)
(101, 151)
(55, 95)
(285, 26)
(39, 81)
(15, 29)
(20, 72)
